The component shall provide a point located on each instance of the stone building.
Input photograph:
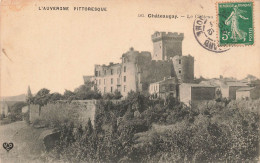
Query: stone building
(4, 108)
(164, 88)
(184, 68)
(196, 92)
(107, 78)
(138, 70)
(248, 93)
(166, 45)
(227, 87)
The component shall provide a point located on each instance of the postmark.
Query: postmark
(204, 31)
(235, 23)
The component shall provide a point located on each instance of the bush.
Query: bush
(219, 133)
(214, 131)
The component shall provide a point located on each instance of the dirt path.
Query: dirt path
(27, 146)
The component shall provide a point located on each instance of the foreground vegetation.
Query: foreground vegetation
(141, 130)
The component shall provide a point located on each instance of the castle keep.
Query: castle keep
(139, 70)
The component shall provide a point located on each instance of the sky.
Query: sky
(54, 49)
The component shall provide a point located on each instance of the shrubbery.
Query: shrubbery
(141, 130)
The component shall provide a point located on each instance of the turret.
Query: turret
(166, 45)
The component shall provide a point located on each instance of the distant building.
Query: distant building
(4, 108)
(190, 92)
(248, 93)
(25, 109)
(228, 87)
(231, 89)
(138, 70)
(164, 88)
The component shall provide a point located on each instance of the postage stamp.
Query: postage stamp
(235, 23)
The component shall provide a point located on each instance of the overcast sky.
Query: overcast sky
(54, 49)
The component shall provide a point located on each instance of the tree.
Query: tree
(84, 92)
(29, 98)
(117, 94)
(69, 95)
(42, 97)
(89, 128)
(55, 97)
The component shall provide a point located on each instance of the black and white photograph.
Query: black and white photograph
(141, 81)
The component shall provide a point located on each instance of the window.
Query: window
(179, 71)
(98, 73)
(111, 89)
(179, 61)
(111, 80)
(124, 88)
(104, 81)
(99, 81)
(111, 71)
(124, 68)
(105, 72)
(104, 89)
(118, 80)
(124, 78)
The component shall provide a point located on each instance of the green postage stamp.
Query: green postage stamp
(235, 23)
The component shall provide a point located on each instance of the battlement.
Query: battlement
(134, 52)
(111, 64)
(163, 35)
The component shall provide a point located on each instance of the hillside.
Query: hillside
(21, 97)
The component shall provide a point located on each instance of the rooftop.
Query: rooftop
(246, 89)
(198, 85)
(236, 84)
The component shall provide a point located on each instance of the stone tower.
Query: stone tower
(184, 68)
(166, 45)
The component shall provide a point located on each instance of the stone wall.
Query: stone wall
(202, 93)
(86, 109)
(34, 112)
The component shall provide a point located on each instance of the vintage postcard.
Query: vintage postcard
(129, 81)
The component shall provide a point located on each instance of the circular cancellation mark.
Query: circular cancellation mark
(203, 30)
